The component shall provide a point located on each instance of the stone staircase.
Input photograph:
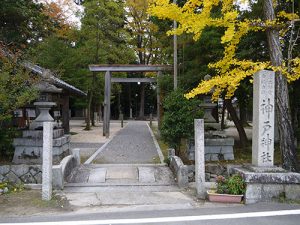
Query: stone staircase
(142, 186)
(120, 175)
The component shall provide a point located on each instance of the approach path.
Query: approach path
(131, 145)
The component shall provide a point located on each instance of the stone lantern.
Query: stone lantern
(44, 104)
(29, 147)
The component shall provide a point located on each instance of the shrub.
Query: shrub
(234, 185)
(178, 119)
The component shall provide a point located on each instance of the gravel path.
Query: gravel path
(132, 144)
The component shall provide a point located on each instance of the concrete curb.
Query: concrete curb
(159, 152)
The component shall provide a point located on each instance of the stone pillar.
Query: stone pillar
(199, 158)
(263, 119)
(47, 160)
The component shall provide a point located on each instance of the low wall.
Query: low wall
(32, 174)
(63, 170)
(265, 184)
(180, 171)
(28, 174)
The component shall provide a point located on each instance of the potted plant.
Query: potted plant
(229, 190)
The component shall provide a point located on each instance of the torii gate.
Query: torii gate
(108, 69)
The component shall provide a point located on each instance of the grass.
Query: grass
(163, 146)
(55, 202)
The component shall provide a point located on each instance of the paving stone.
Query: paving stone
(132, 144)
(97, 175)
(122, 173)
(146, 174)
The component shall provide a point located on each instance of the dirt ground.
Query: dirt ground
(29, 202)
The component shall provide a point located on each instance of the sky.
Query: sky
(71, 10)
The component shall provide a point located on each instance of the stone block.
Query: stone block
(253, 193)
(215, 169)
(268, 177)
(175, 164)
(12, 177)
(229, 156)
(263, 118)
(171, 152)
(35, 169)
(38, 177)
(1, 178)
(20, 170)
(39, 133)
(146, 174)
(76, 154)
(97, 175)
(27, 142)
(219, 141)
(4, 169)
(28, 178)
(57, 177)
(292, 191)
(270, 191)
(182, 176)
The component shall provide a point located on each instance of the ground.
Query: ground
(29, 202)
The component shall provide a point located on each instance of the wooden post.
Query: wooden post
(107, 104)
(151, 119)
(122, 120)
(65, 113)
(158, 101)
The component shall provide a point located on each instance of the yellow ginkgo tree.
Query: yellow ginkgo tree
(196, 15)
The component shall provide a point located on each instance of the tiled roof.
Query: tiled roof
(50, 77)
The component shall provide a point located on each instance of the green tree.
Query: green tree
(23, 23)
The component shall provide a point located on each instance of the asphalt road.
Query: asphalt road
(256, 214)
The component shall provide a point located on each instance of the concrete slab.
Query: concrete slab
(122, 173)
(83, 199)
(142, 198)
(97, 175)
(146, 174)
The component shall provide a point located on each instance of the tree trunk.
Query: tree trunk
(237, 122)
(283, 114)
(223, 116)
(92, 115)
(142, 102)
(88, 115)
(243, 114)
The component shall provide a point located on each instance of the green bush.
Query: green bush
(178, 119)
(234, 185)
(7, 134)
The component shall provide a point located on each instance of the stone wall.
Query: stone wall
(212, 170)
(28, 174)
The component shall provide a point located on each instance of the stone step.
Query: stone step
(126, 198)
(132, 187)
(125, 174)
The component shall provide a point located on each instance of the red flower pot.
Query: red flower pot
(225, 198)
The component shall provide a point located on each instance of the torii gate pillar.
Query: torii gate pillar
(106, 118)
